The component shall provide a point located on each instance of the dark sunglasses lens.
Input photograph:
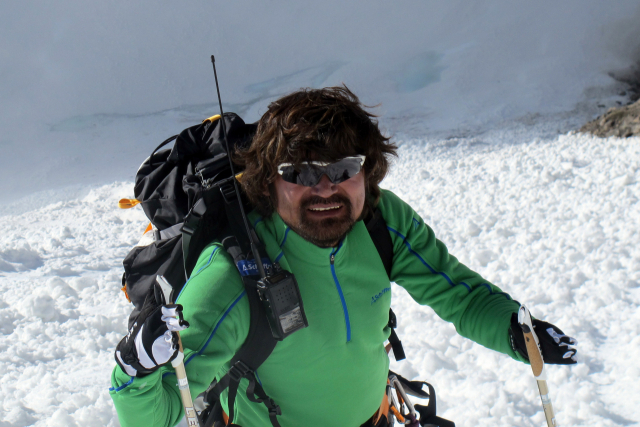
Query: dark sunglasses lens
(310, 175)
(289, 174)
(343, 170)
(306, 175)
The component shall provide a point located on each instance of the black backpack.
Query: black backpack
(188, 194)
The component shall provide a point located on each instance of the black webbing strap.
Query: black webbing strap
(165, 142)
(189, 227)
(396, 344)
(428, 415)
(377, 228)
(255, 393)
(234, 214)
(254, 351)
(255, 389)
(381, 238)
(233, 391)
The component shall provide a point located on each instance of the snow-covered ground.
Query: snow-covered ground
(553, 220)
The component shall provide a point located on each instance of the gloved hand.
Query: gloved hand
(556, 347)
(152, 340)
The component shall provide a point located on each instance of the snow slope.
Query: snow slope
(87, 89)
(552, 220)
(481, 96)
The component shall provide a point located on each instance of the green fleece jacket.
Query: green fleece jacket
(335, 369)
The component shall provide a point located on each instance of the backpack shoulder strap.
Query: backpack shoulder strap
(256, 348)
(377, 228)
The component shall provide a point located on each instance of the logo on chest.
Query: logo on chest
(376, 297)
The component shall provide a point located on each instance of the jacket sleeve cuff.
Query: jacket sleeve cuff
(121, 381)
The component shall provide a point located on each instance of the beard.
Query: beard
(326, 232)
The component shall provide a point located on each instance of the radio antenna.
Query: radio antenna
(254, 246)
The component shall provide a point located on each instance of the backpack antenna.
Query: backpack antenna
(254, 246)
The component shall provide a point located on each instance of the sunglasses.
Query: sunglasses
(310, 173)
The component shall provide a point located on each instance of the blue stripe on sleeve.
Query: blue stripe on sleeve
(433, 270)
(199, 270)
(215, 329)
(123, 386)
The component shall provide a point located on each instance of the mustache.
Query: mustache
(316, 200)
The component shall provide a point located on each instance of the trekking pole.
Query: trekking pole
(537, 363)
(178, 365)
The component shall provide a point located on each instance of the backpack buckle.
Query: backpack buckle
(275, 410)
(192, 219)
(393, 320)
(228, 191)
(238, 371)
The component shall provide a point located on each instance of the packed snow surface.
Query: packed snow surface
(553, 220)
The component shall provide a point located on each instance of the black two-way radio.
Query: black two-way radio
(278, 291)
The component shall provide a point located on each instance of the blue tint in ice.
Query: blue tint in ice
(419, 71)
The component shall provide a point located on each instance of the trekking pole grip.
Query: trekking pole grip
(183, 385)
(178, 362)
(535, 358)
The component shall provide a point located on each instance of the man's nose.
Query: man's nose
(324, 188)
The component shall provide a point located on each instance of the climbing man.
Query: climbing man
(312, 174)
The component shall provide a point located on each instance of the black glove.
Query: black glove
(556, 347)
(151, 341)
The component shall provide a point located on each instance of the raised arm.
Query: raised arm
(423, 266)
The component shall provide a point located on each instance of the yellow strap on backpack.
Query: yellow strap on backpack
(126, 294)
(128, 203)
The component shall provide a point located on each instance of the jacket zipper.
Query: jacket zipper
(332, 258)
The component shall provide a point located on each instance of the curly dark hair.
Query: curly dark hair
(320, 124)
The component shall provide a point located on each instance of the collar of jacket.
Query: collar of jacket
(282, 242)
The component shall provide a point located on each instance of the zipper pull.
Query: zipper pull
(332, 258)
